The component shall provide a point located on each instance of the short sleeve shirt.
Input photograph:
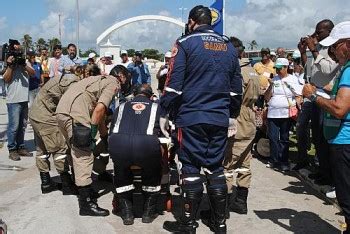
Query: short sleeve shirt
(344, 132)
(82, 97)
(18, 88)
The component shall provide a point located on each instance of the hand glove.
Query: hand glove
(232, 127)
(164, 126)
(93, 131)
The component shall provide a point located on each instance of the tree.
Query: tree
(40, 43)
(87, 52)
(53, 42)
(253, 45)
(27, 43)
(152, 54)
(131, 52)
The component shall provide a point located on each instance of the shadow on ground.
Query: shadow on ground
(297, 222)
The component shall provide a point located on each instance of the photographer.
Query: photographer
(323, 70)
(163, 72)
(139, 70)
(16, 77)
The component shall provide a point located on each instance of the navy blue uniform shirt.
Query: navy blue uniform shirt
(204, 84)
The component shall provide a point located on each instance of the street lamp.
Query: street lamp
(182, 9)
(77, 11)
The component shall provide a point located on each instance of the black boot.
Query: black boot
(239, 204)
(125, 209)
(47, 185)
(150, 207)
(347, 231)
(218, 199)
(68, 186)
(187, 224)
(87, 206)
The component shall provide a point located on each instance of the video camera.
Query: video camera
(8, 50)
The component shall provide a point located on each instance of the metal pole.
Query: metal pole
(77, 5)
(59, 27)
(223, 18)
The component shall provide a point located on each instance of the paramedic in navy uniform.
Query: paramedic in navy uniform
(204, 89)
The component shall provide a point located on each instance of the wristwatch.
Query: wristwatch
(313, 97)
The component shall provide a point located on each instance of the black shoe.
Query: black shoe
(47, 185)
(68, 186)
(299, 166)
(239, 204)
(24, 152)
(13, 155)
(125, 208)
(149, 210)
(179, 227)
(87, 206)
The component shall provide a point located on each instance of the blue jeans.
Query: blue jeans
(278, 132)
(17, 123)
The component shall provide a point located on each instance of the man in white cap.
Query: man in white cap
(336, 126)
(106, 63)
(163, 72)
(124, 58)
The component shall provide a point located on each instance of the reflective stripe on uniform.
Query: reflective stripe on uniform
(152, 119)
(104, 154)
(191, 179)
(60, 157)
(233, 94)
(200, 34)
(119, 118)
(125, 188)
(43, 156)
(151, 189)
(171, 90)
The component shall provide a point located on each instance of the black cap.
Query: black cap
(265, 50)
(138, 53)
(57, 47)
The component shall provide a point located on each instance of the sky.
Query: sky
(271, 23)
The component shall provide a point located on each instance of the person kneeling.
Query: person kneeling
(133, 141)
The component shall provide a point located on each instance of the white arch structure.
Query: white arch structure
(136, 19)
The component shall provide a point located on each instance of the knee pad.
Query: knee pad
(192, 185)
(216, 180)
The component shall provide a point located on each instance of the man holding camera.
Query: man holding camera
(323, 71)
(16, 77)
(163, 72)
(139, 70)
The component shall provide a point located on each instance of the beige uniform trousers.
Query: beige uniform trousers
(49, 141)
(82, 159)
(237, 160)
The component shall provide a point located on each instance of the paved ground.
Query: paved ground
(277, 203)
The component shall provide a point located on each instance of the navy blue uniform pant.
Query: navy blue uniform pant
(202, 145)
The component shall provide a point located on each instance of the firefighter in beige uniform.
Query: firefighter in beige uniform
(48, 138)
(237, 153)
(80, 114)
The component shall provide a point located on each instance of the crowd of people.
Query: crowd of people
(219, 106)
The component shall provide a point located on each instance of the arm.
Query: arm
(9, 70)
(98, 114)
(175, 80)
(236, 90)
(148, 76)
(61, 65)
(268, 93)
(30, 69)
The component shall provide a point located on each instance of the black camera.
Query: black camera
(8, 50)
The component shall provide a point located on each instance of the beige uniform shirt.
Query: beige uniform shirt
(44, 106)
(264, 72)
(81, 98)
(246, 127)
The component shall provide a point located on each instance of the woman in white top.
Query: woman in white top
(283, 92)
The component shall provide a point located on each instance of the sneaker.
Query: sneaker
(331, 194)
(24, 152)
(13, 155)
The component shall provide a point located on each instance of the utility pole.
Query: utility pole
(77, 11)
(59, 27)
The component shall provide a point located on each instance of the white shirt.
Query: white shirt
(282, 96)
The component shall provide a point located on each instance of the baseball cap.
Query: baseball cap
(108, 54)
(167, 54)
(280, 62)
(138, 53)
(92, 55)
(123, 52)
(296, 54)
(265, 50)
(273, 53)
(340, 31)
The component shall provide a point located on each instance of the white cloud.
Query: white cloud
(164, 13)
(3, 23)
(281, 23)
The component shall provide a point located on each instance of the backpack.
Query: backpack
(331, 125)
